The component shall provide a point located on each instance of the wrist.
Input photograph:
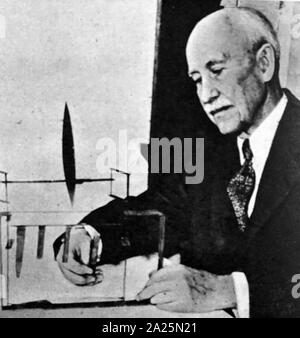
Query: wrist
(211, 292)
(90, 230)
(227, 292)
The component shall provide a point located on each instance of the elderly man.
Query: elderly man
(245, 226)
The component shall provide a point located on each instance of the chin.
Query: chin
(226, 129)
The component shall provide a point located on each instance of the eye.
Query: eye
(197, 80)
(217, 71)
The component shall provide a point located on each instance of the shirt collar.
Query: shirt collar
(262, 137)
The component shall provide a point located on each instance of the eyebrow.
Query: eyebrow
(194, 72)
(211, 63)
(208, 65)
(223, 59)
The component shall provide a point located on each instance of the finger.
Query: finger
(163, 297)
(166, 263)
(95, 251)
(98, 273)
(99, 278)
(164, 274)
(98, 268)
(81, 280)
(93, 280)
(74, 266)
(152, 273)
(78, 268)
(173, 307)
(157, 276)
(175, 259)
(154, 289)
(85, 248)
(76, 279)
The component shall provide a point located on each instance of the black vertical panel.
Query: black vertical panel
(176, 111)
(68, 154)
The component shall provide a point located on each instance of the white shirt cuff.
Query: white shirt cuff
(241, 288)
(2, 289)
(93, 233)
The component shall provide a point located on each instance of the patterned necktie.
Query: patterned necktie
(241, 186)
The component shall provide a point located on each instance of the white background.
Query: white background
(95, 55)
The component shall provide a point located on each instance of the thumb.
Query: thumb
(175, 259)
(85, 247)
(166, 263)
(96, 246)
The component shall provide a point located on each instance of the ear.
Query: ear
(266, 62)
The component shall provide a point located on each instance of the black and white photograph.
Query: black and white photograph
(150, 160)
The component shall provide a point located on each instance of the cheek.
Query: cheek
(241, 85)
(253, 93)
(231, 87)
(246, 94)
(242, 102)
(235, 93)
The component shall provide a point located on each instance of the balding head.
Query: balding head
(242, 27)
(233, 57)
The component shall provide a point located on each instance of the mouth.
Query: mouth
(220, 110)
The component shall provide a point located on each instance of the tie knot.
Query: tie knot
(248, 155)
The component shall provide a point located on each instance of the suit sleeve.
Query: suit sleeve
(141, 232)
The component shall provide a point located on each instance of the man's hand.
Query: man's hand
(77, 269)
(181, 289)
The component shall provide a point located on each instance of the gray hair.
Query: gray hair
(258, 28)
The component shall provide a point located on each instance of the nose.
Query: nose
(207, 92)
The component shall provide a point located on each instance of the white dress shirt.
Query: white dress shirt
(260, 143)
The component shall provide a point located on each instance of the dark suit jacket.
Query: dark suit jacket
(272, 251)
(201, 224)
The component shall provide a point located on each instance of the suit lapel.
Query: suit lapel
(282, 166)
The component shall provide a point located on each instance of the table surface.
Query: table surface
(143, 311)
(34, 286)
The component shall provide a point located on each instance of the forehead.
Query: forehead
(214, 44)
